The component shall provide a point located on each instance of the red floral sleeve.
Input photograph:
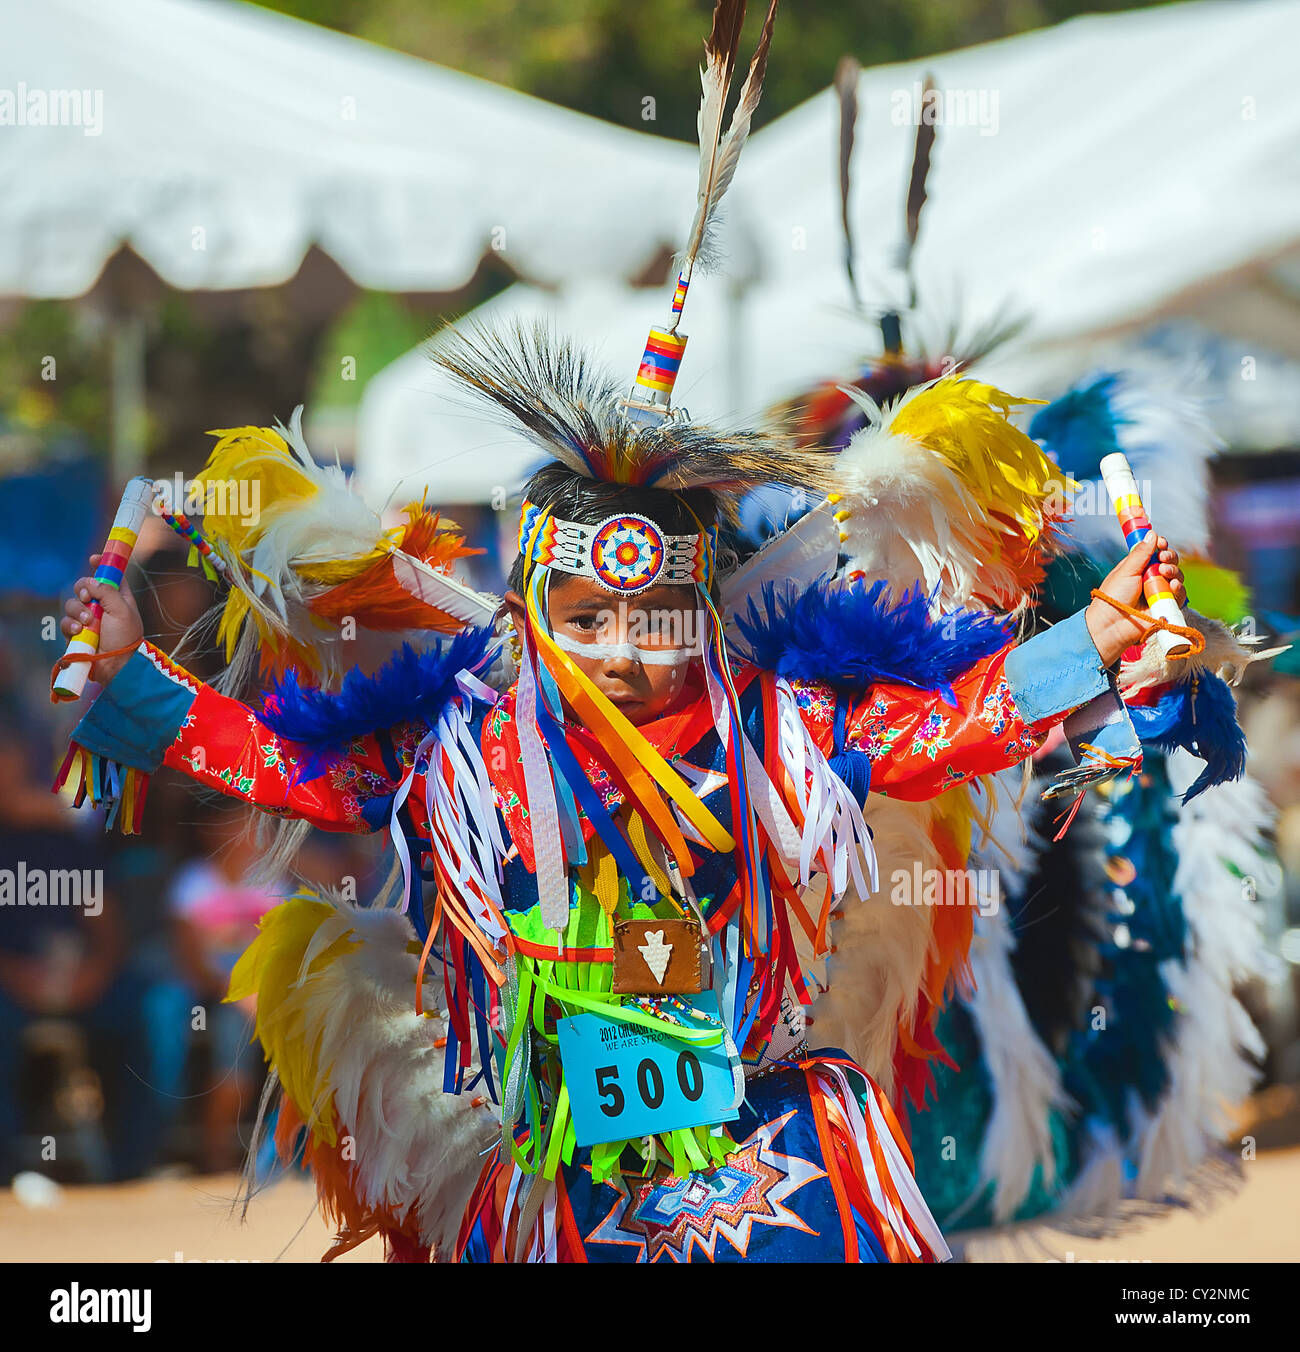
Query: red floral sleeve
(919, 743)
(223, 744)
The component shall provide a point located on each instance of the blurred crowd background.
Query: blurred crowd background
(209, 258)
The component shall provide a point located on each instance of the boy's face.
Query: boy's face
(641, 646)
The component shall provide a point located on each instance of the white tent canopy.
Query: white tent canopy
(1140, 166)
(1109, 169)
(220, 141)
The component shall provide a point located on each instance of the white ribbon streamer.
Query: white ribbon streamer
(466, 834)
(544, 813)
(904, 1184)
(834, 827)
(395, 831)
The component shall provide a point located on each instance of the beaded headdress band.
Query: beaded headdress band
(626, 553)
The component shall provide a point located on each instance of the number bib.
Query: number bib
(625, 1081)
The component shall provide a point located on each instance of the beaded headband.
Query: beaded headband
(625, 553)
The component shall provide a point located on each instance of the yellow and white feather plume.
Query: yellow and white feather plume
(943, 488)
(310, 564)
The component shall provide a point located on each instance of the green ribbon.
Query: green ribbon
(531, 982)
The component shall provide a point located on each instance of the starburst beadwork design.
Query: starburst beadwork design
(672, 1217)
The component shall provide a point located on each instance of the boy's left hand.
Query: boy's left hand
(1112, 631)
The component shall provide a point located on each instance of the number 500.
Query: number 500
(649, 1083)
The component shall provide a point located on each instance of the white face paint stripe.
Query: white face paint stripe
(650, 657)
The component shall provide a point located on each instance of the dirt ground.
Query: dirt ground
(187, 1219)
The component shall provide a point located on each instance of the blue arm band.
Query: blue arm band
(1056, 670)
(137, 715)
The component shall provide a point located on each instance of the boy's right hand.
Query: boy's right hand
(120, 626)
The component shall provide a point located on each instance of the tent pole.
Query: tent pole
(127, 446)
(736, 393)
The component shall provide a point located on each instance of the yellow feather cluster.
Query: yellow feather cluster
(250, 453)
(260, 455)
(270, 968)
(966, 422)
(247, 455)
(256, 484)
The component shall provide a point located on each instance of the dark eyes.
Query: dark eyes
(586, 624)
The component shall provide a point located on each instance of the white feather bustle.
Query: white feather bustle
(1026, 1079)
(418, 1149)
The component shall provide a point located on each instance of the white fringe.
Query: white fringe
(834, 829)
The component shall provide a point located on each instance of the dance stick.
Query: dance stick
(136, 502)
(1122, 487)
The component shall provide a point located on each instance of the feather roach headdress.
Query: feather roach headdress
(579, 415)
(577, 412)
(573, 411)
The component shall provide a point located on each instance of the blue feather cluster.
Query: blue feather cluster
(1079, 428)
(415, 684)
(852, 635)
(1109, 1067)
(1201, 717)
